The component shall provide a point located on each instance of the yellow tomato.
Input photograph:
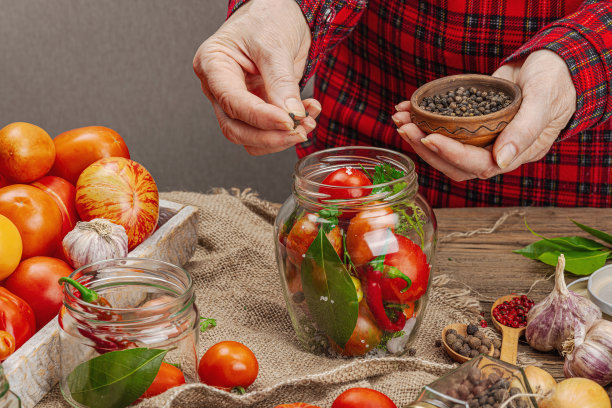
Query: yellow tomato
(10, 247)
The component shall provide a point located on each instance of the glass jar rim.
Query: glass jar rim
(312, 165)
(128, 263)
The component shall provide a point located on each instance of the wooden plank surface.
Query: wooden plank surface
(487, 264)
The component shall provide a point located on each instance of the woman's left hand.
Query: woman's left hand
(549, 101)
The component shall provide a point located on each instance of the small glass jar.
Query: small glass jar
(354, 246)
(8, 399)
(482, 381)
(152, 306)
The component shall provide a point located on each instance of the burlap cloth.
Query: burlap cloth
(237, 283)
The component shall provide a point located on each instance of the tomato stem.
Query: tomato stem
(239, 390)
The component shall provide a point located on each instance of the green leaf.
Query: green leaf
(115, 379)
(328, 217)
(207, 323)
(384, 173)
(607, 238)
(577, 262)
(329, 290)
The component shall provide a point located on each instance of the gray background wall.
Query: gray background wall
(127, 64)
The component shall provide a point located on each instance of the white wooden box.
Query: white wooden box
(34, 368)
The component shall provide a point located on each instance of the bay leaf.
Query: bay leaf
(607, 238)
(329, 290)
(577, 262)
(115, 379)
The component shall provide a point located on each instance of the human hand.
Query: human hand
(250, 71)
(549, 101)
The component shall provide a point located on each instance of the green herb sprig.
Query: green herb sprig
(207, 323)
(583, 256)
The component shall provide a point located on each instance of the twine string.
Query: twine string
(489, 230)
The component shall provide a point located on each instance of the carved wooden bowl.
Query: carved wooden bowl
(473, 130)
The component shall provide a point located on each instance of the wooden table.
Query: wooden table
(487, 264)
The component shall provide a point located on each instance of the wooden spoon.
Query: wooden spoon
(510, 335)
(461, 329)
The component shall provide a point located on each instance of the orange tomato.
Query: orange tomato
(76, 149)
(167, 377)
(10, 247)
(63, 193)
(303, 232)
(366, 335)
(228, 365)
(35, 215)
(27, 152)
(121, 191)
(368, 233)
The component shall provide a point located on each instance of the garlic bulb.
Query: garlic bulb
(560, 316)
(96, 240)
(591, 357)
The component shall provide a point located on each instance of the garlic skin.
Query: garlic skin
(591, 357)
(95, 240)
(562, 315)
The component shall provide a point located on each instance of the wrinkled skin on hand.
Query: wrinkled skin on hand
(250, 71)
(549, 101)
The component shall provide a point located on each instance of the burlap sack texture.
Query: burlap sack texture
(238, 284)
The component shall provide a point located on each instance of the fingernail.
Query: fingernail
(397, 108)
(397, 122)
(428, 144)
(402, 132)
(302, 136)
(506, 155)
(294, 106)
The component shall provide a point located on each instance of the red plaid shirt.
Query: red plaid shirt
(369, 58)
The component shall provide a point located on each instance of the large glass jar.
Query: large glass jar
(111, 351)
(354, 246)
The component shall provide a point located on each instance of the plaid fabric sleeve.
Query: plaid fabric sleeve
(584, 41)
(329, 20)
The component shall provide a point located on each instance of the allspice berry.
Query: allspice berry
(451, 338)
(474, 342)
(486, 342)
(497, 343)
(457, 345)
(483, 349)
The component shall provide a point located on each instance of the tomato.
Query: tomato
(366, 335)
(16, 317)
(35, 281)
(35, 215)
(412, 261)
(167, 377)
(302, 234)
(7, 344)
(27, 152)
(76, 149)
(10, 247)
(368, 233)
(293, 277)
(4, 181)
(345, 177)
(121, 191)
(63, 193)
(228, 365)
(362, 398)
(297, 405)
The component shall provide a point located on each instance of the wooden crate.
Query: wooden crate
(34, 368)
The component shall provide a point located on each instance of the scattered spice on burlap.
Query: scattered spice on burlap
(237, 283)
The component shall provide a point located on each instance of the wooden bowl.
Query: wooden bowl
(462, 330)
(473, 130)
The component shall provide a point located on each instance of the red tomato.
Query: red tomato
(297, 405)
(16, 317)
(412, 261)
(35, 281)
(346, 177)
(228, 365)
(366, 335)
(121, 191)
(167, 377)
(4, 181)
(7, 344)
(63, 193)
(27, 152)
(35, 215)
(368, 233)
(362, 398)
(76, 149)
(302, 234)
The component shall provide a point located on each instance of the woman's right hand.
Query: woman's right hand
(250, 71)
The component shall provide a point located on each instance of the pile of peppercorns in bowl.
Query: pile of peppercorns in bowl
(466, 102)
(472, 344)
